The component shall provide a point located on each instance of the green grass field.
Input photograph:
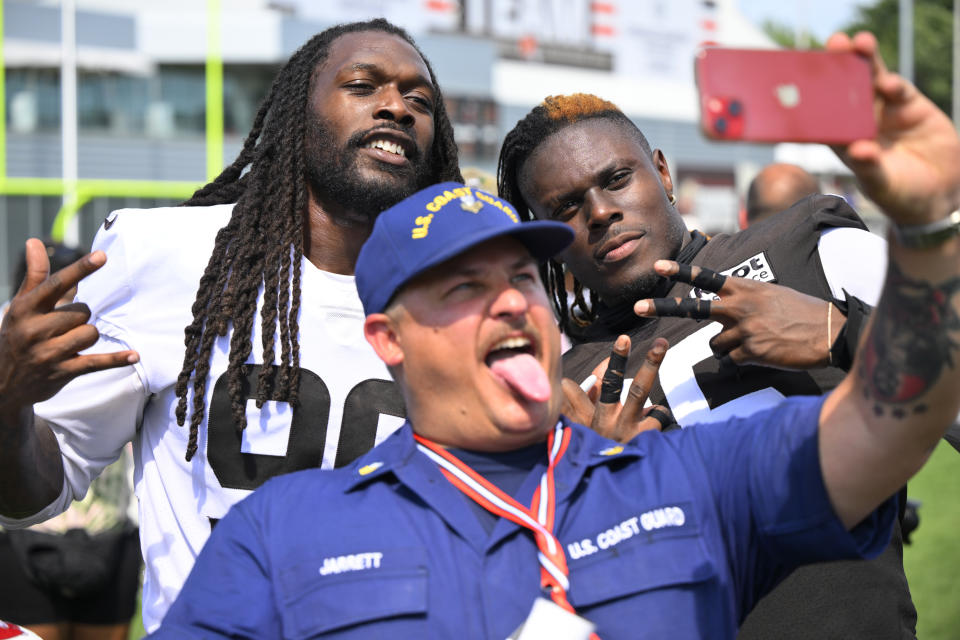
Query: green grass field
(932, 561)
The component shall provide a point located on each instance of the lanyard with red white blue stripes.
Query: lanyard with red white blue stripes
(539, 518)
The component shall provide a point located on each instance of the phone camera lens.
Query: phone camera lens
(720, 125)
(735, 108)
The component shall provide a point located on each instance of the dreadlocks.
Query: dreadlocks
(550, 116)
(262, 244)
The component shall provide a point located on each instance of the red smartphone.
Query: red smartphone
(761, 95)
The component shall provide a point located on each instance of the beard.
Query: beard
(646, 285)
(334, 174)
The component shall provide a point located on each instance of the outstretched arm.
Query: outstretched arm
(39, 354)
(879, 426)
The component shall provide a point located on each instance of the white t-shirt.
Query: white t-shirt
(141, 299)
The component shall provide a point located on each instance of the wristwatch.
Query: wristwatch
(924, 236)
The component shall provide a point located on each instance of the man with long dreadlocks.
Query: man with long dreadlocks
(580, 160)
(354, 122)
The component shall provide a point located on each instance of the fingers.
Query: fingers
(81, 365)
(58, 321)
(591, 387)
(45, 326)
(607, 413)
(643, 381)
(838, 42)
(576, 403)
(46, 292)
(609, 418)
(621, 423)
(696, 308)
(674, 308)
(596, 375)
(863, 43)
(612, 384)
(724, 343)
(61, 354)
(608, 408)
(661, 414)
(701, 277)
(38, 266)
(656, 417)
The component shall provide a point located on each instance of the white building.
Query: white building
(141, 92)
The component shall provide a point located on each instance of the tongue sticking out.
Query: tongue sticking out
(523, 374)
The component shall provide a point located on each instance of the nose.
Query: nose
(601, 208)
(509, 303)
(393, 107)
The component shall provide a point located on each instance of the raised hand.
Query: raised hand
(40, 342)
(763, 323)
(910, 169)
(600, 407)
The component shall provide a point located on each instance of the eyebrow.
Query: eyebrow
(466, 270)
(605, 171)
(374, 68)
(526, 261)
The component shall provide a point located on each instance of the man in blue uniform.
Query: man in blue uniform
(487, 501)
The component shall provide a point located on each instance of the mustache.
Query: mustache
(613, 231)
(356, 140)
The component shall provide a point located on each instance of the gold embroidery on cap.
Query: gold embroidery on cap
(423, 223)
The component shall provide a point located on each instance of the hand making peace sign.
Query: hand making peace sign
(763, 323)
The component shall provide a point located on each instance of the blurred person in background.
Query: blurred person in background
(776, 188)
(353, 122)
(75, 576)
(578, 159)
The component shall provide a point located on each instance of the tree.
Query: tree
(932, 38)
(786, 36)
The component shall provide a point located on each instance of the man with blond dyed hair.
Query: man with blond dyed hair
(578, 159)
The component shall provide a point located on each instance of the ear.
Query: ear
(380, 332)
(663, 171)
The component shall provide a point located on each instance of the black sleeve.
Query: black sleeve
(845, 346)
(953, 435)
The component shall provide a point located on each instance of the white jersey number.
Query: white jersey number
(308, 429)
(698, 390)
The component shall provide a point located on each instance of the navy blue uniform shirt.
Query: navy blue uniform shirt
(675, 535)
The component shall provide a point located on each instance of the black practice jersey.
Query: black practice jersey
(835, 600)
(692, 382)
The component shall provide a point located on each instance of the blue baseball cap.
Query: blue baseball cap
(436, 224)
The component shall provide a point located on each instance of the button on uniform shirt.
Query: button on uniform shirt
(675, 535)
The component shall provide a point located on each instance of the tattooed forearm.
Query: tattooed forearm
(909, 345)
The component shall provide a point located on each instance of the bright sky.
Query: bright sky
(821, 17)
